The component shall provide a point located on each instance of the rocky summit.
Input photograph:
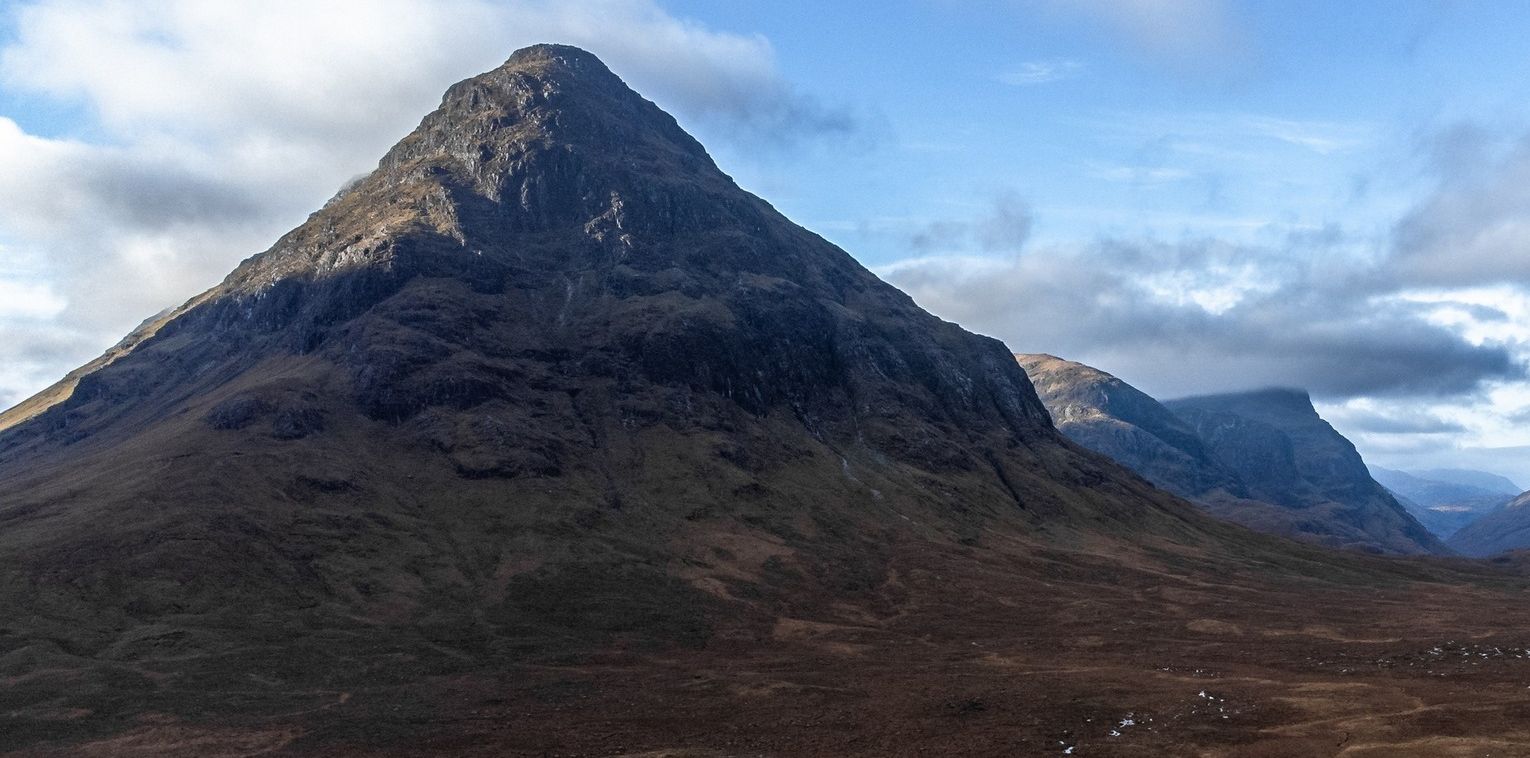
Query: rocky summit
(545, 438)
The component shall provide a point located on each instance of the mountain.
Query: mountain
(1443, 486)
(1264, 460)
(1498, 531)
(1109, 416)
(1470, 478)
(1441, 521)
(1287, 455)
(545, 438)
(545, 381)
(1442, 505)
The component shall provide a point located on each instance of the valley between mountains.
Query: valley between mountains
(546, 438)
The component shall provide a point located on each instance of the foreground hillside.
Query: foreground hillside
(546, 438)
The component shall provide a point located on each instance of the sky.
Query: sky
(1194, 195)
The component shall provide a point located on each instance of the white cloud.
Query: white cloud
(289, 70)
(1474, 228)
(1322, 137)
(23, 301)
(1040, 72)
(1206, 315)
(219, 125)
(1140, 175)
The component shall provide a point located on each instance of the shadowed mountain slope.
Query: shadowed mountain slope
(1500, 531)
(1287, 455)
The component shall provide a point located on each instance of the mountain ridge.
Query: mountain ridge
(1445, 507)
(1327, 472)
(1503, 530)
(1264, 459)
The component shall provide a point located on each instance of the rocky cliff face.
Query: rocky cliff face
(1276, 443)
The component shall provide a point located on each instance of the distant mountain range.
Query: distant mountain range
(1264, 459)
(1502, 530)
(1446, 500)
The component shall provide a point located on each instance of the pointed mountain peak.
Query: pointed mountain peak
(564, 57)
(557, 94)
(550, 142)
(546, 205)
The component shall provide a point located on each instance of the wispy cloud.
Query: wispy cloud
(1003, 227)
(1474, 227)
(1140, 175)
(1040, 72)
(1233, 134)
(1323, 137)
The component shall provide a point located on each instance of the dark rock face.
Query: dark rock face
(1276, 443)
(1264, 460)
(1500, 531)
(546, 376)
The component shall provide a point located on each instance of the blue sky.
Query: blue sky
(1197, 195)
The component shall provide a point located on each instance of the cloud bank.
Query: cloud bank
(1414, 336)
(1206, 316)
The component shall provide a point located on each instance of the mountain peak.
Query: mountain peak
(549, 142)
(567, 56)
(543, 204)
(549, 97)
